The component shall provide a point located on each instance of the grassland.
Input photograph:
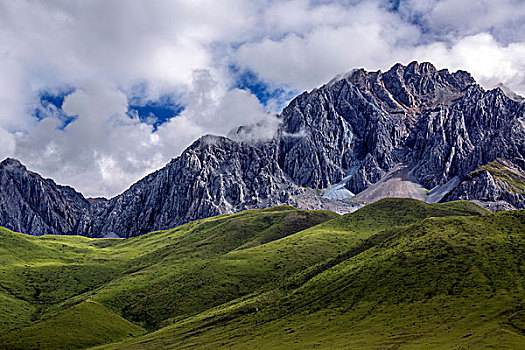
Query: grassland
(395, 274)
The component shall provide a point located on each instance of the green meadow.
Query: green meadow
(396, 274)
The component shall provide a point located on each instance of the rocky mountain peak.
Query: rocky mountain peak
(32, 204)
(212, 176)
(358, 126)
(12, 165)
(412, 128)
(425, 68)
(407, 91)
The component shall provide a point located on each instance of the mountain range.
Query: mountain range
(412, 131)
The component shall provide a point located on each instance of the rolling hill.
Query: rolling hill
(398, 273)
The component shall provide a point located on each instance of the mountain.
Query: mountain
(398, 273)
(413, 131)
(440, 124)
(29, 203)
(358, 126)
(213, 176)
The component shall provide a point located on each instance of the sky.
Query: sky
(97, 94)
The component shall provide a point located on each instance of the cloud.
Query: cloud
(7, 144)
(101, 136)
(261, 131)
(158, 42)
(487, 60)
(104, 50)
(211, 109)
(216, 110)
(503, 19)
(305, 62)
(361, 35)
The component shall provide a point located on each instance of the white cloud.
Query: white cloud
(373, 38)
(487, 60)
(211, 109)
(101, 135)
(320, 42)
(503, 18)
(104, 49)
(7, 144)
(305, 62)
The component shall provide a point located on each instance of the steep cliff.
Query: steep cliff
(214, 175)
(32, 204)
(358, 124)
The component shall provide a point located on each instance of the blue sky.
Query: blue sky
(97, 94)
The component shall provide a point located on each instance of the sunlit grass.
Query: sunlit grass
(396, 273)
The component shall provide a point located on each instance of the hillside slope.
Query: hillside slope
(264, 278)
(451, 282)
(46, 281)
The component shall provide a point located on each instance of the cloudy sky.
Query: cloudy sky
(96, 94)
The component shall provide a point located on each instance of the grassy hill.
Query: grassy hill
(397, 273)
(147, 280)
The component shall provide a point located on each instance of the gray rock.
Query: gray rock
(215, 175)
(484, 186)
(32, 204)
(359, 125)
(477, 129)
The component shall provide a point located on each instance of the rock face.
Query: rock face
(32, 204)
(496, 182)
(358, 125)
(441, 128)
(477, 129)
(213, 176)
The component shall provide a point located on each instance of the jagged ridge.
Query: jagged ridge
(32, 204)
(353, 131)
